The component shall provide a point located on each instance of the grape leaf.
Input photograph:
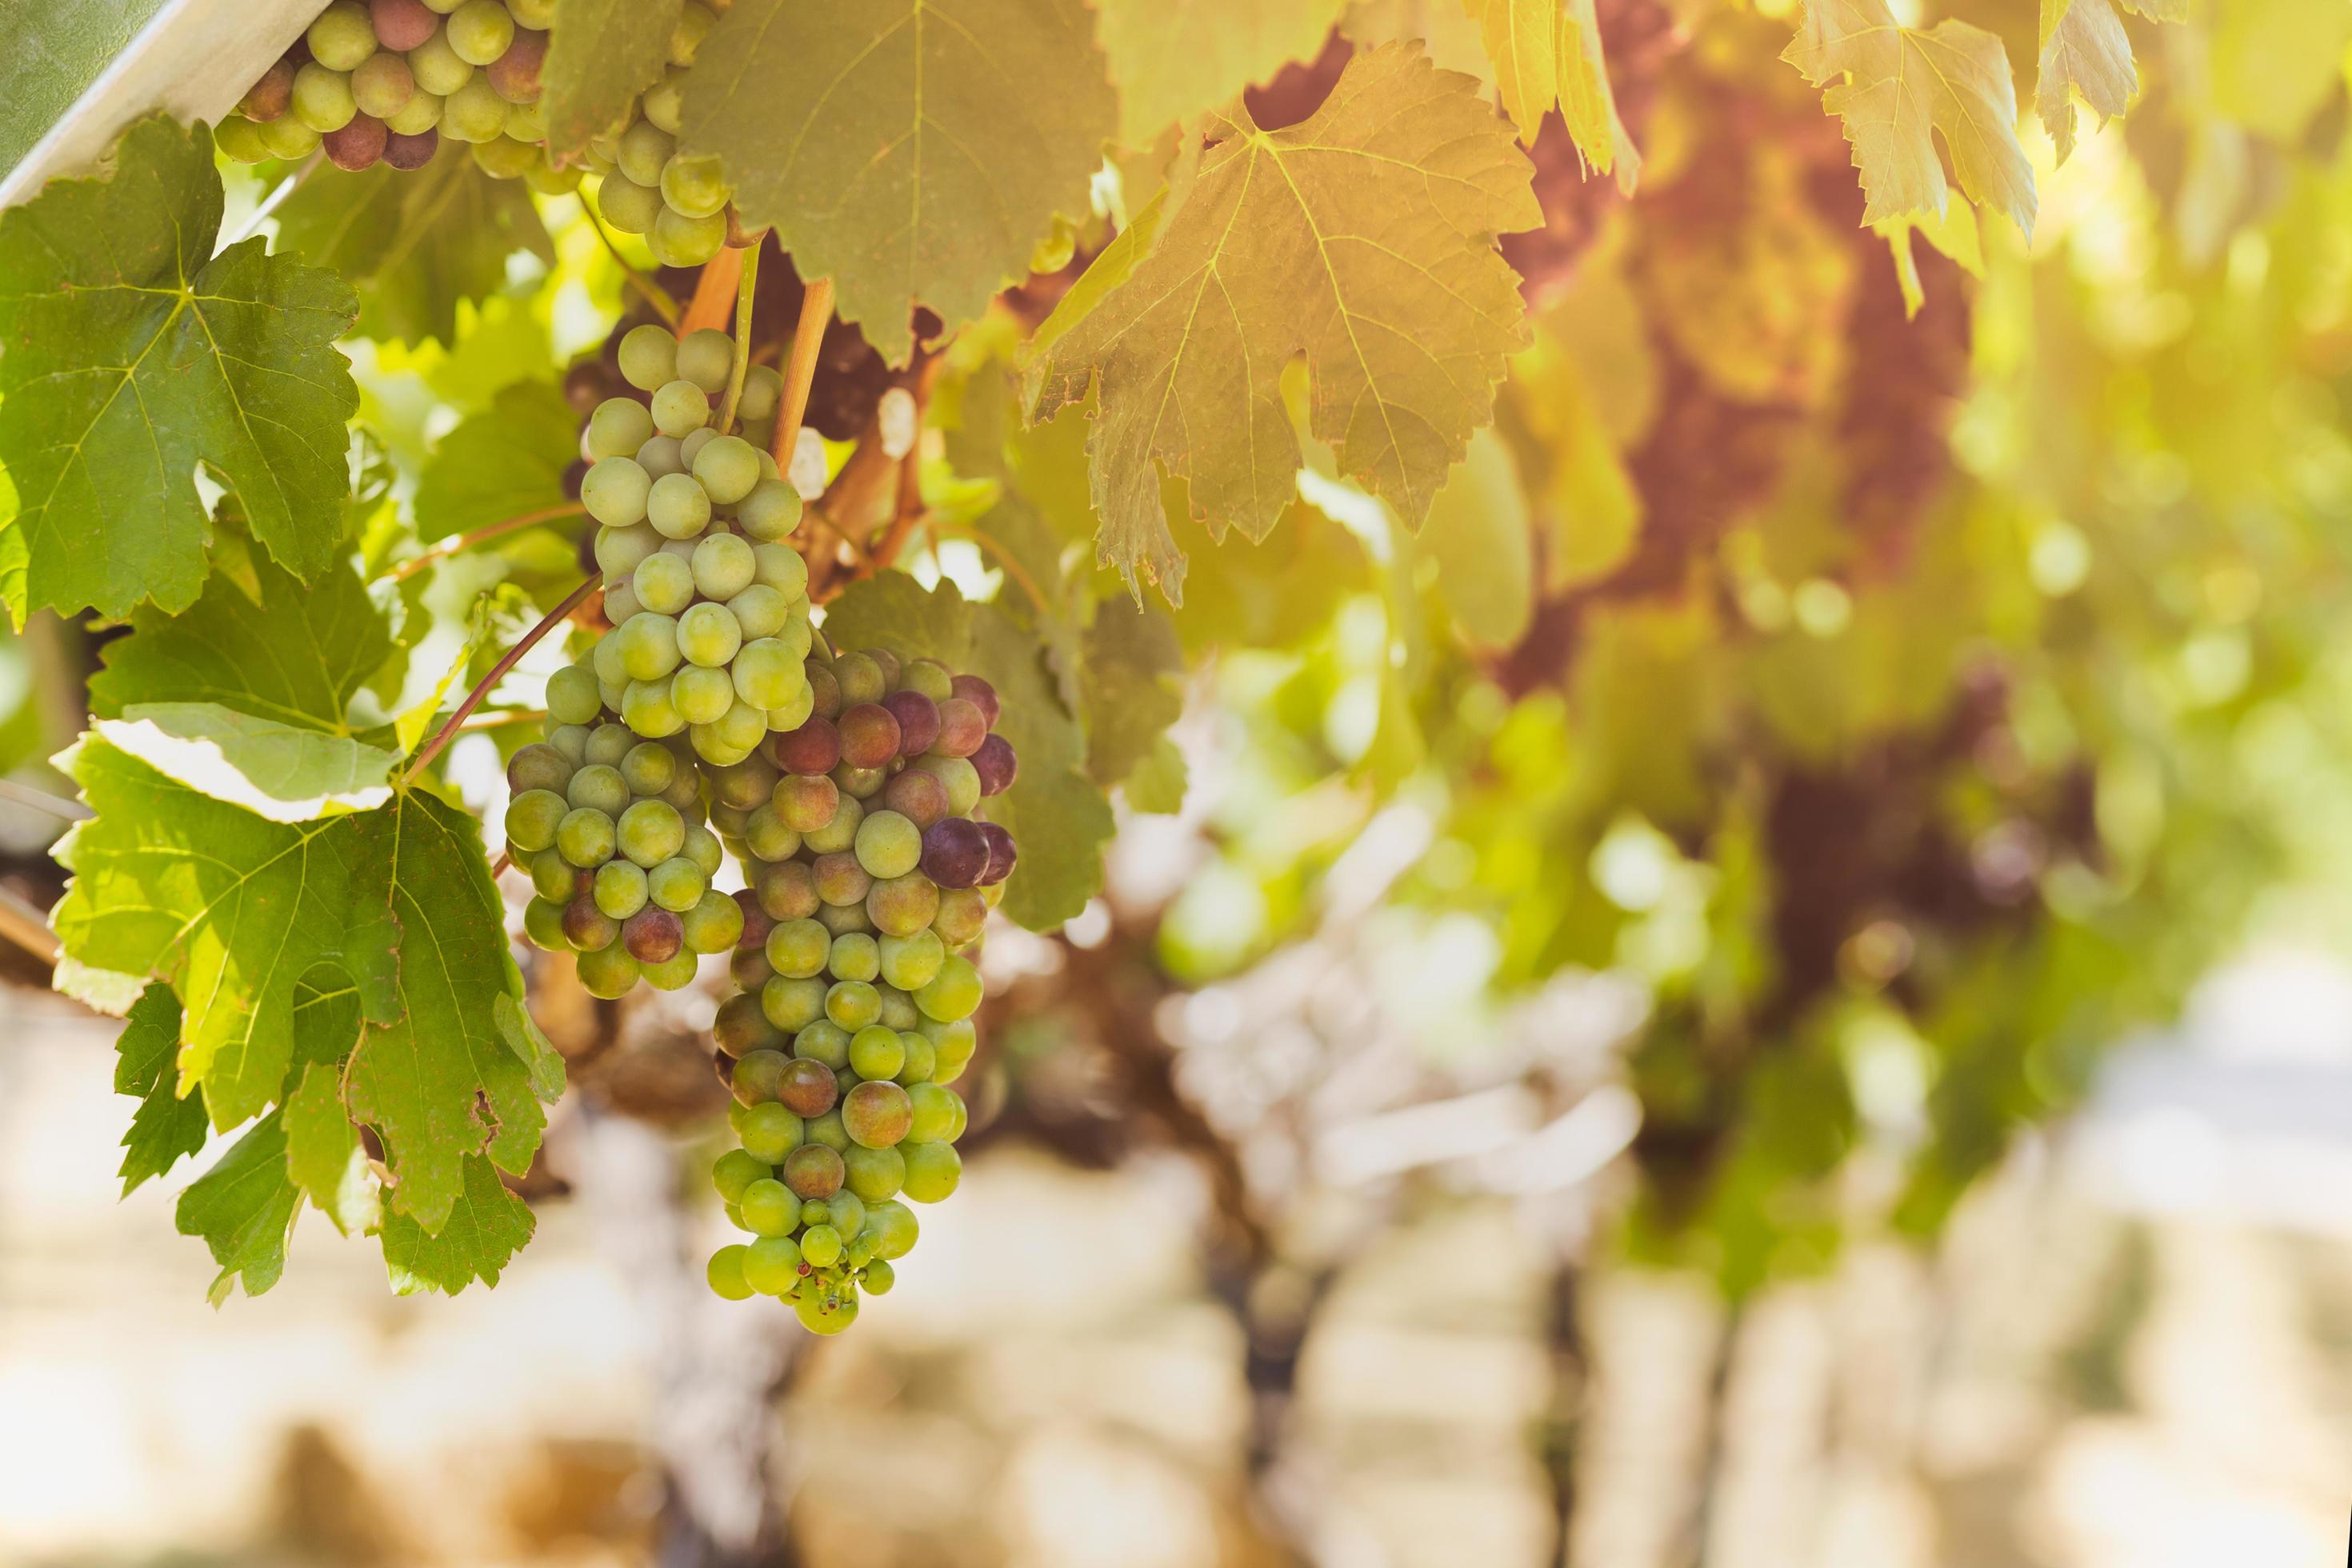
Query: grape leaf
(323, 1154)
(1904, 85)
(599, 55)
(891, 610)
(1478, 535)
(501, 463)
(1133, 664)
(244, 1210)
(1546, 52)
(292, 653)
(416, 243)
(913, 151)
(1158, 783)
(434, 1072)
(2085, 51)
(135, 355)
(285, 773)
(486, 1228)
(1362, 238)
(1171, 60)
(165, 1126)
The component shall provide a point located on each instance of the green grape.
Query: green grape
(933, 1171)
(607, 744)
(572, 695)
(673, 973)
(795, 711)
(707, 358)
(599, 785)
(934, 1114)
(650, 832)
(877, 1115)
(889, 846)
(662, 583)
(854, 957)
(691, 447)
(552, 876)
(644, 150)
(664, 102)
(821, 1245)
(792, 1004)
(853, 1003)
(899, 1010)
(241, 139)
(922, 1058)
(421, 113)
(527, 123)
(722, 566)
(481, 30)
(770, 510)
(341, 37)
(823, 1040)
(614, 492)
(728, 467)
(681, 407)
(763, 393)
(474, 112)
(702, 695)
(618, 428)
(322, 97)
(724, 1273)
(953, 993)
(961, 777)
(621, 550)
(877, 1276)
(929, 676)
(842, 918)
(648, 644)
(542, 922)
(620, 889)
(538, 14)
(828, 1131)
(798, 948)
(877, 1052)
(765, 835)
(660, 456)
(780, 566)
(845, 1211)
(764, 672)
(768, 1208)
(954, 1043)
(694, 24)
(756, 1075)
(646, 708)
(901, 905)
(585, 837)
(532, 818)
(963, 914)
(648, 357)
(861, 784)
(860, 678)
(876, 1176)
(734, 1173)
(382, 85)
(628, 207)
(541, 766)
(741, 1028)
(702, 847)
(708, 635)
(893, 1226)
(287, 137)
(910, 962)
(677, 884)
(839, 830)
(677, 240)
(771, 1264)
(678, 507)
(648, 768)
(571, 741)
(693, 185)
(607, 972)
(505, 156)
(613, 694)
(760, 611)
(715, 924)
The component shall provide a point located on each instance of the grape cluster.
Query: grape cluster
(387, 79)
(679, 203)
(870, 879)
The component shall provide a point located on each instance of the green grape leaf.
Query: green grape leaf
(1904, 85)
(435, 1073)
(599, 55)
(486, 1227)
(285, 773)
(231, 909)
(892, 610)
(913, 151)
(135, 355)
(165, 1126)
(416, 243)
(1173, 62)
(1158, 783)
(243, 1208)
(1133, 665)
(1056, 815)
(323, 1157)
(1276, 593)
(501, 463)
(1479, 536)
(1363, 240)
(1547, 54)
(294, 653)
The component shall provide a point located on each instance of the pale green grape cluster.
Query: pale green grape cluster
(677, 201)
(870, 879)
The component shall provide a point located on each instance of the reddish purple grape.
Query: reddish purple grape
(586, 927)
(979, 693)
(996, 765)
(962, 727)
(268, 98)
(1001, 853)
(808, 1088)
(358, 145)
(813, 748)
(955, 852)
(918, 796)
(869, 736)
(814, 1171)
(402, 25)
(652, 936)
(403, 151)
(806, 801)
(514, 75)
(918, 722)
(757, 921)
(786, 892)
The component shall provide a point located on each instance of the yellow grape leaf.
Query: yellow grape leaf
(1171, 60)
(1904, 84)
(1361, 238)
(1954, 233)
(1546, 52)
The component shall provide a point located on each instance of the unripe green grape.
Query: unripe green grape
(677, 240)
(953, 993)
(952, 1046)
(707, 358)
(724, 1274)
(620, 889)
(628, 207)
(765, 835)
(903, 906)
(728, 467)
(572, 695)
(241, 139)
(643, 149)
(421, 113)
(708, 635)
(542, 922)
(552, 877)
(614, 492)
(795, 711)
(648, 644)
(648, 357)
(745, 785)
(527, 123)
(678, 508)
(664, 101)
(877, 1276)
(539, 14)
(770, 511)
(845, 1211)
(677, 884)
(876, 1176)
(648, 768)
(768, 1209)
(382, 85)
(821, 1245)
(322, 97)
(618, 428)
(681, 407)
(343, 35)
(612, 694)
(839, 831)
(570, 741)
(893, 1226)
(650, 832)
(608, 973)
(922, 1060)
(481, 30)
(694, 185)
(780, 566)
(541, 765)
(722, 566)
(734, 1171)
(607, 744)
(760, 611)
(474, 112)
(791, 1004)
(599, 786)
(701, 846)
(702, 695)
(765, 673)
(742, 728)
(694, 24)
(756, 1075)
(911, 962)
(532, 818)
(929, 677)
(585, 837)
(876, 1051)
(287, 137)
(963, 915)
(646, 708)
(689, 447)
(842, 918)
(505, 156)
(961, 777)
(621, 550)
(853, 1003)
(854, 957)
(933, 1171)
(823, 1040)
(763, 393)
(861, 784)
(860, 678)
(889, 846)
(715, 924)
(771, 1264)
(662, 583)
(899, 1009)
(659, 457)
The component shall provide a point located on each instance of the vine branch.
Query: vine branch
(506, 661)
(800, 371)
(24, 924)
(743, 293)
(488, 530)
(714, 292)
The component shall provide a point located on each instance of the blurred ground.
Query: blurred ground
(2134, 1352)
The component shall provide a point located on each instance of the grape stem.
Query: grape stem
(504, 716)
(654, 293)
(506, 661)
(744, 292)
(466, 541)
(808, 336)
(714, 293)
(24, 924)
